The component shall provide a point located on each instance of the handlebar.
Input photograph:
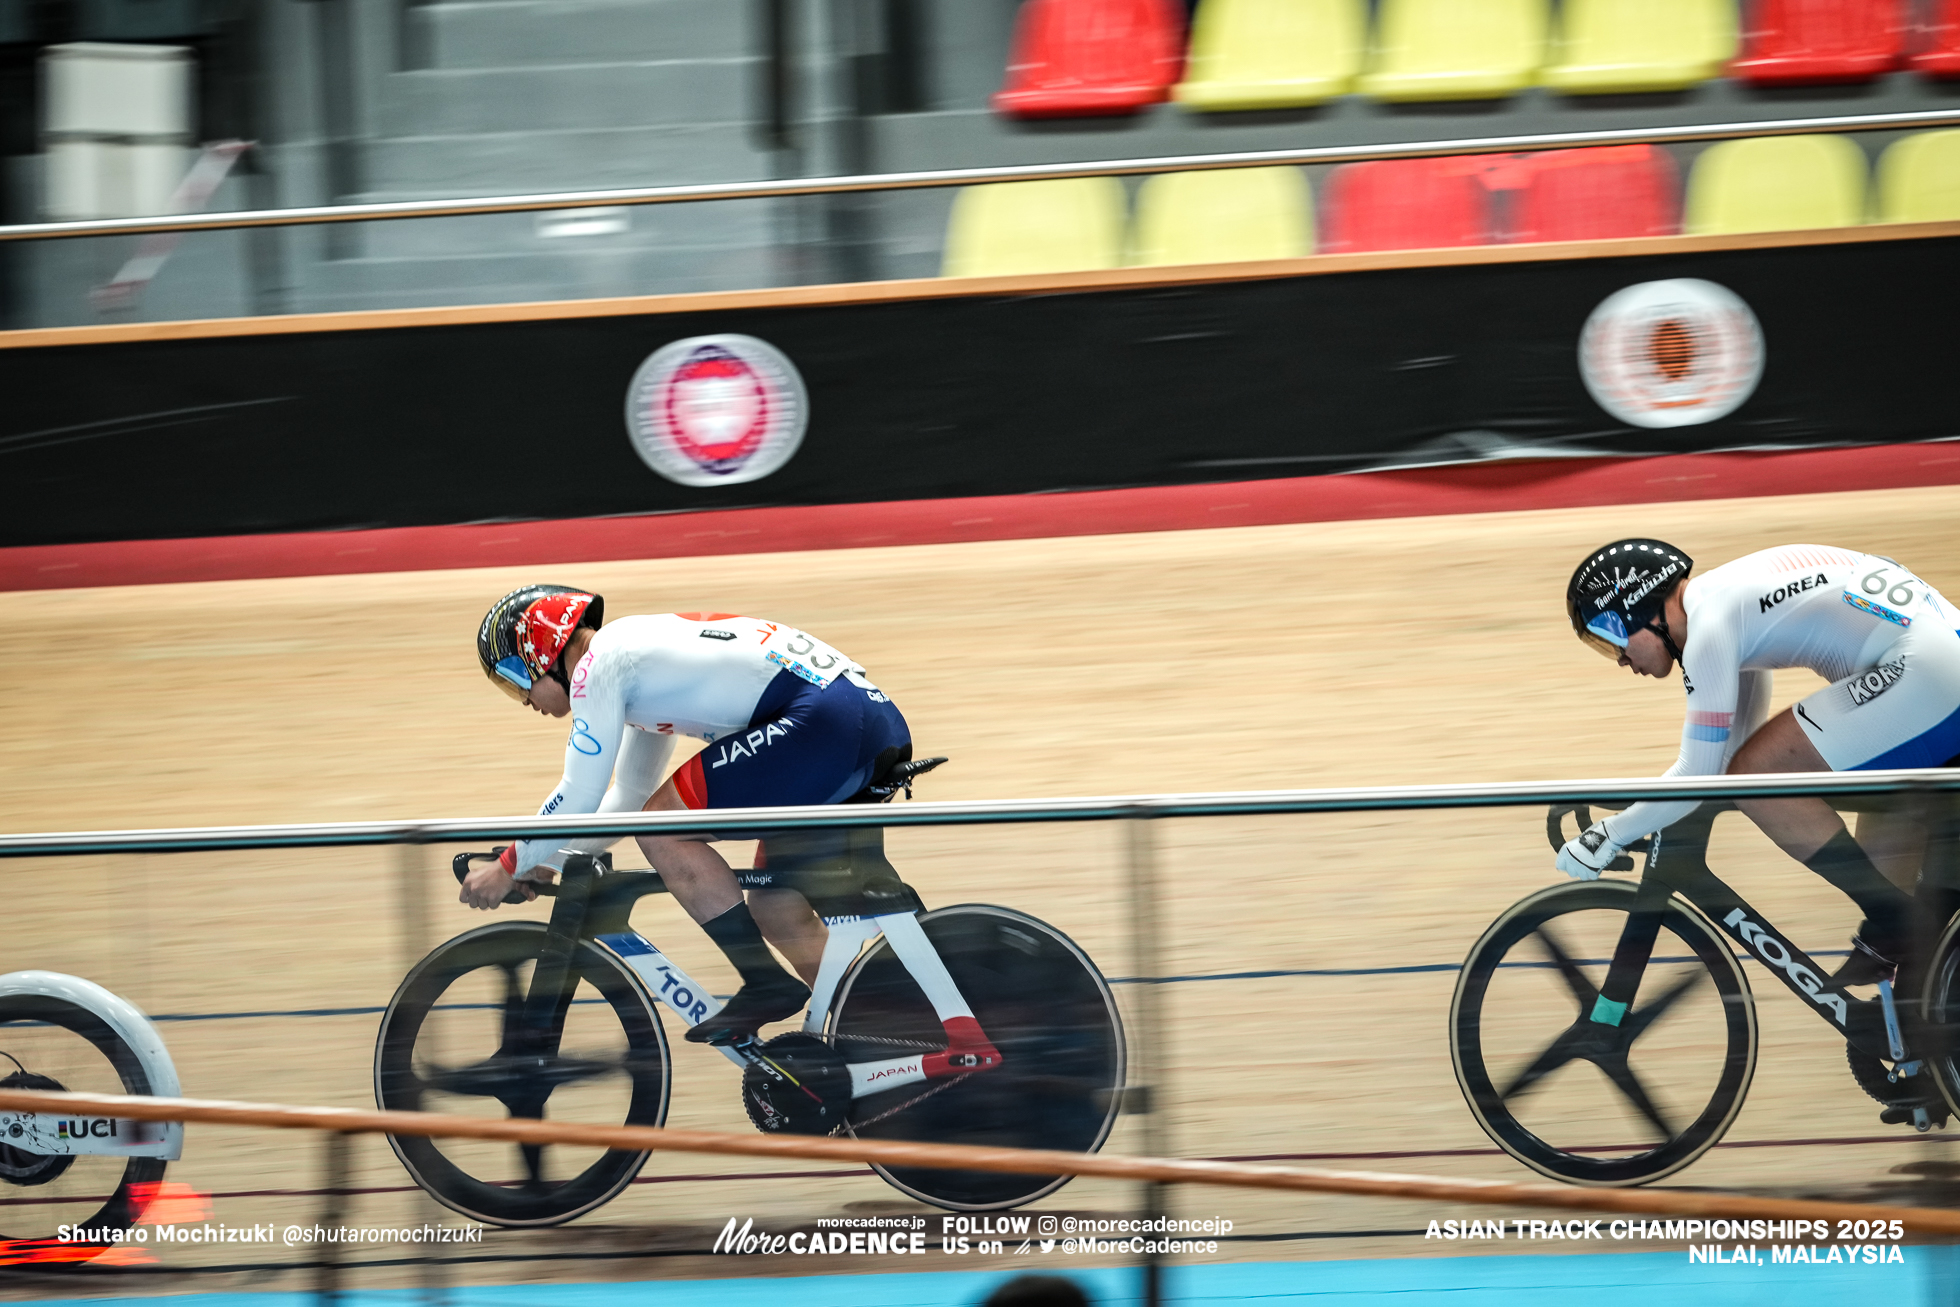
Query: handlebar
(460, 864)
(1555, 832)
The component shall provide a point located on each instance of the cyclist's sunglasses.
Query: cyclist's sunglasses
(513, 677)
(1606, 633)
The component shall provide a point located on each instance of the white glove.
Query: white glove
(1586, 854)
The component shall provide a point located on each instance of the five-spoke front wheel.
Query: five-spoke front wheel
(457, 1039)
(1586, 1101)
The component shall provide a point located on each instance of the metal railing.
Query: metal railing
(1150, 1067)
(900, 181)
(733, 821)
(1707, 1204)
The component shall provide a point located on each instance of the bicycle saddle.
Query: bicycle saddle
(889, 781)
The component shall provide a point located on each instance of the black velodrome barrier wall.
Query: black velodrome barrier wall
(933, 397)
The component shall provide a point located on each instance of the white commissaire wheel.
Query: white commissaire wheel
(60, 1032)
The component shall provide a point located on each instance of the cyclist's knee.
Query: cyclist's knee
(1779, 745)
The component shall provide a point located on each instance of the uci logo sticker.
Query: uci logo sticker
(1672, 353)
(716, 410)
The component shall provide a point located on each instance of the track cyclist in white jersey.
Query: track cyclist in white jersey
(1884, 639)
(787, 720)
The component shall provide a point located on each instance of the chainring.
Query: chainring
(1872, 1077)
(17, 1166)
(801, 1087)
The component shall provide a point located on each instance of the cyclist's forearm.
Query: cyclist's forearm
(1646, 818)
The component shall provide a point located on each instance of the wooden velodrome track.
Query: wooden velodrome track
(1415, 650)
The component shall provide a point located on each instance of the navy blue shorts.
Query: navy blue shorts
(806, 745)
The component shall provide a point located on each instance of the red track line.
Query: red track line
(1465, 488)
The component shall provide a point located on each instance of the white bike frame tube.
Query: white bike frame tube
(908, 940)
(841, 946)
(124, 1138)
(46, 1134)
(877, 1077)
(667, 982)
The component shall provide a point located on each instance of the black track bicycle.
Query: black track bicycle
(969, 1024)
(1604, 1011)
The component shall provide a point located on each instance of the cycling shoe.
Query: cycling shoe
(752, 1007)
(1868, 964)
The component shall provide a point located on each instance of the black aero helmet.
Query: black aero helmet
(524, 633)
(1621, 589)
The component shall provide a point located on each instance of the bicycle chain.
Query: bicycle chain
(941, 1087)
(930, 1046)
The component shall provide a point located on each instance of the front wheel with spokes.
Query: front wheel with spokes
(455, 1039)
(1581, 1100)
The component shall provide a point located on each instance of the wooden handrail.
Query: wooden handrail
(929, 288)
(966, 1157)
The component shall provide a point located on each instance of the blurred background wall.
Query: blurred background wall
(357, 100)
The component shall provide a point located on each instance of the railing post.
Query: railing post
(332, 1213)
(411, 868)
(1147, 1058)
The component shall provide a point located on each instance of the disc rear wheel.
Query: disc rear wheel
(1041, 1002)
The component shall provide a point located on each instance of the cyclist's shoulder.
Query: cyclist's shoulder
(1799, 565)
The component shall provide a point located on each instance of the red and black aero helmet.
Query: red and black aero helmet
(525, 631)
(1622, 588)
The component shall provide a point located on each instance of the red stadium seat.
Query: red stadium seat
(1599, 194)
(1082, 58)
(1796, 42)
(1406, 204)
(1941, 55)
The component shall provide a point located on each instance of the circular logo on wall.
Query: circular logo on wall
(716, 410)
(1671, 353)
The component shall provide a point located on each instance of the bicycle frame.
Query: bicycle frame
(1677, 863)
(589, 908)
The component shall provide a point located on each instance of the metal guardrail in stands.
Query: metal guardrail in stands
(900, 181)
(734, 821)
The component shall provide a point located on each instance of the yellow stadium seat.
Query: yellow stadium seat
(1012, 228)
(1919, 179)
(1455, 49)
(1223, 217)
(1606, 46)
(1272, 54)
(1776, 183)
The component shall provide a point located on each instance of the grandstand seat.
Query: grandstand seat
(1223, 216)
(1455, 49)
(1405, 204)
(1940, 56)
(1272, 54)
(1800, 42)
(1776, 183)
(1919, 179)
(1610, 46)
(1082, 58)
(1598, 194)
(1012, 228)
